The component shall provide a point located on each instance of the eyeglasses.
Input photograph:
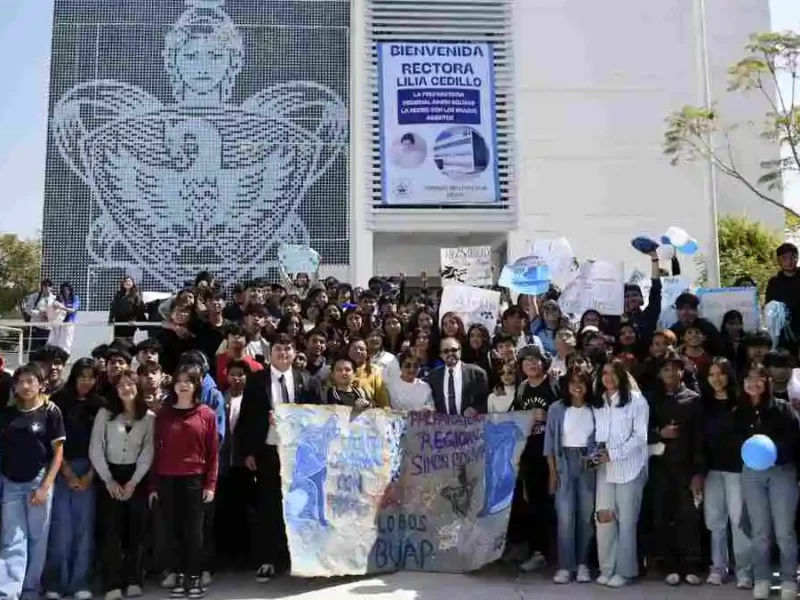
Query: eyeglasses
(451, 350)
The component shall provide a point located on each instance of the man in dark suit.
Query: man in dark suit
(458, 388)
(277, 384)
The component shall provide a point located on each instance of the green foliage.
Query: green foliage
(20, 265)
(746, 249)
(701, 133)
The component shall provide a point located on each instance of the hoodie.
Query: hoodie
(212, 397)
(685, 454)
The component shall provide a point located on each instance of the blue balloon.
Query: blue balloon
(759, 453)
(689, 247)
(644, 244)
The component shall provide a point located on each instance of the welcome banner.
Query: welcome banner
(383, 491)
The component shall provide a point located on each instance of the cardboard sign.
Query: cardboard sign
(473, 305)
(715, 302)
(382, 491)
(599, 285)
(467, 265)
(296, 258)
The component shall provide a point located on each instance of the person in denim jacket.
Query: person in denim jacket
(569, 447)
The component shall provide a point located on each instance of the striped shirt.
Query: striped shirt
(623, 429)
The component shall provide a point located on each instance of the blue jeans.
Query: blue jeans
(574, 510)
(616, 540)
(723, 502)
(23, 541)
(771, 500)
(71, 545)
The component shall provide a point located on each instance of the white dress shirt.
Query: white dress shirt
(458, 382)
(277, 396)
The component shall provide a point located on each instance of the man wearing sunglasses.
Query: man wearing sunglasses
(458, 388)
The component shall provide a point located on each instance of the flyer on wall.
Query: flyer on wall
(437, 115)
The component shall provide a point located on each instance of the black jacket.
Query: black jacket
(723, 452)
(714, 344)
(776, 419)
(253, 425)
(686, 453)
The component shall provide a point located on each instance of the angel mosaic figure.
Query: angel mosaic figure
(192, 184)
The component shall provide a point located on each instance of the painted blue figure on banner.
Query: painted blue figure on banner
(176, 186)
(306, 498)
(501, 474)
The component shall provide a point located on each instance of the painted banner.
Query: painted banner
(598, 286)
(473, 305)
(468, 265)
(382, 491)
(715, 302)
(437, 123)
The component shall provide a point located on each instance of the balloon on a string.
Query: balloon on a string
(689, 247)
(675, 236)
(759, 452)
(644, 244)
(666, 252)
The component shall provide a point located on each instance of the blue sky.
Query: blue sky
(25, 45)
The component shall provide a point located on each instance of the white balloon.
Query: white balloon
(665, 252)
(677, 236)
(793, 387)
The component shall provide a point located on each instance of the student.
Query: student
(184, 477)
(407, 391)
(52, 360)
(621, 432)
(343, 389)
(151, 381)
(71, 545)
(236, 341)
(368, 376)
(569, 446)
(677, 471)
(31, 452)
(694, 340)
(770, 496)
(147, 351)
(502, 398)
(122, 452)
(687, 310)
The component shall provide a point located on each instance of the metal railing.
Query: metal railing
(19, 333)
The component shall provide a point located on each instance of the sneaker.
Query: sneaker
(169, 581)
(52, 596)
(761, 590)
(196, 589)
(515, 553)
(562, 576)
(744, 583)
(133, 591)
(714, 578)
(617, 581)
(788, 590)
(584, 574)
(205, 579)
(179, 589)
(83, 595)
(537, 561)
(265, 573)
(602, 580)
(672, 579)
(692, 579)
(114, 595)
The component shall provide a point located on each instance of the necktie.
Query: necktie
(451, 394)
(284, 389)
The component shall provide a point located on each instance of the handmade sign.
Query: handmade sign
(296, 258)
(384, 491)
(473, 305)
(715, 302)
(557, 254)
(467, 265)
(599, 286)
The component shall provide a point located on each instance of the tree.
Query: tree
(20, 265)
(746, 249)
(702, 133)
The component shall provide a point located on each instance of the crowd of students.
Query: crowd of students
(163, 454)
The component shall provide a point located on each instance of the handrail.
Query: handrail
(21, 340)
(14, 324)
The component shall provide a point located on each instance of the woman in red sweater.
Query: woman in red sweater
(185, 476)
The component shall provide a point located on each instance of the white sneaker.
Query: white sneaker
(744, 583)
(83, 595)
(114, 595)
(692, 579)
(788, 590)
(205, 579)
(602, 579)
(537, 561)
(714, 578)
(133, 591)
(672, 579)
(562, 576)
(584, 574)
(52, 596)
(761, 590)
(617, 581)
(169, 581)
(265, 573)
